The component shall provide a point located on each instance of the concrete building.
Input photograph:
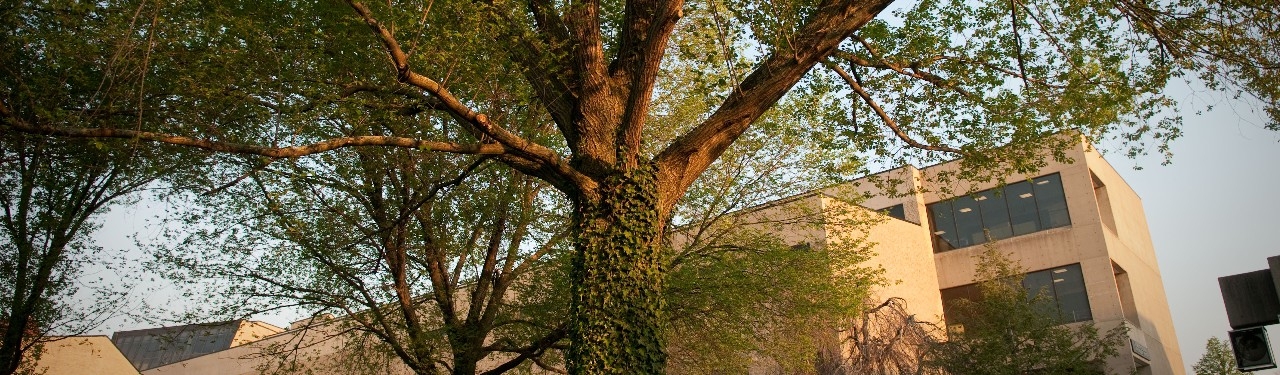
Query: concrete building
(1077, 228)
(155, 347)
(82, 355)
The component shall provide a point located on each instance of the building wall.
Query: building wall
(252, 330)
(1131, 250)
(1108, 232)
(84, 355)
(903, 250)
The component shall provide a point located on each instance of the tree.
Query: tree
(956, 78)
(884, 339)
(1012, 330)
(320, 237)
(52, 190)
(1218, 359)
(405, 249)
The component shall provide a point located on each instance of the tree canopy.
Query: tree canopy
(572, 93)
(1218, 359)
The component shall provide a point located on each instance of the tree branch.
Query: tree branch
(271, 152)
(550, 160)
(916, 71)
(690, 154)
(648, 27)
(888, 121)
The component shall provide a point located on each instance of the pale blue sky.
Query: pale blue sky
(1211, 213)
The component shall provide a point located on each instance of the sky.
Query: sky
(1211, 213)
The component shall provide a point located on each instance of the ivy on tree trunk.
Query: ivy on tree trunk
(616, 313)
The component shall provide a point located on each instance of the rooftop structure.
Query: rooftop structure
(155, 347)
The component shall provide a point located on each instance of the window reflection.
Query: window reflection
(1016, 209)
(1061, 289)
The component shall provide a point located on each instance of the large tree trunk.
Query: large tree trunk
(14, 335)
(616, 313)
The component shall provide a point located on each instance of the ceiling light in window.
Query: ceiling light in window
(1060, 270)
(1024, 195)
(966, 209)
(941, 232)
(1042, 182)
(980, 198)
(1058, 280)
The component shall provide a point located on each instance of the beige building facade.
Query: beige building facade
(1077, 228)
(83, 355)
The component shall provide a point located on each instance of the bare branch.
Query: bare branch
(916, 71)
(888, 121)
(271, 152)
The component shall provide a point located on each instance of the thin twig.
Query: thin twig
(888, 121)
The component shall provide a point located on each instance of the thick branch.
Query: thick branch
(648, 28)
(478, 121)
(541, 58)
(599, 105)
(682, 161)
(271, 152)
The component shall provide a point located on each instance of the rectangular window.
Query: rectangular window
(944, 227)
(1069, 293)
(896, 211)
(995, 213)
(1023, 215)
(952, 296)
(1052, 202)
(968, 221)
(1062, 290)
(1013, 210)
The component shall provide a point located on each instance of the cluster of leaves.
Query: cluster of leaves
(1218, 359)
(1015, 331)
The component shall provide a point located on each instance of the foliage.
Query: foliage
(568, 92)
(1015, 331)
(53, 190)
(1218, 359)
(743, 291)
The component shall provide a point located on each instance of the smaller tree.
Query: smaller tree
(1217, 360)
(1011, 330)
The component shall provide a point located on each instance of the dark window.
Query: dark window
(1068, 291)
(1023, 216)
(1013, 210)
(995, 213)
(897, 211)
(953, 296)
(968, 221)
(1052, 202)
(1062, 290)
(944, 227)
